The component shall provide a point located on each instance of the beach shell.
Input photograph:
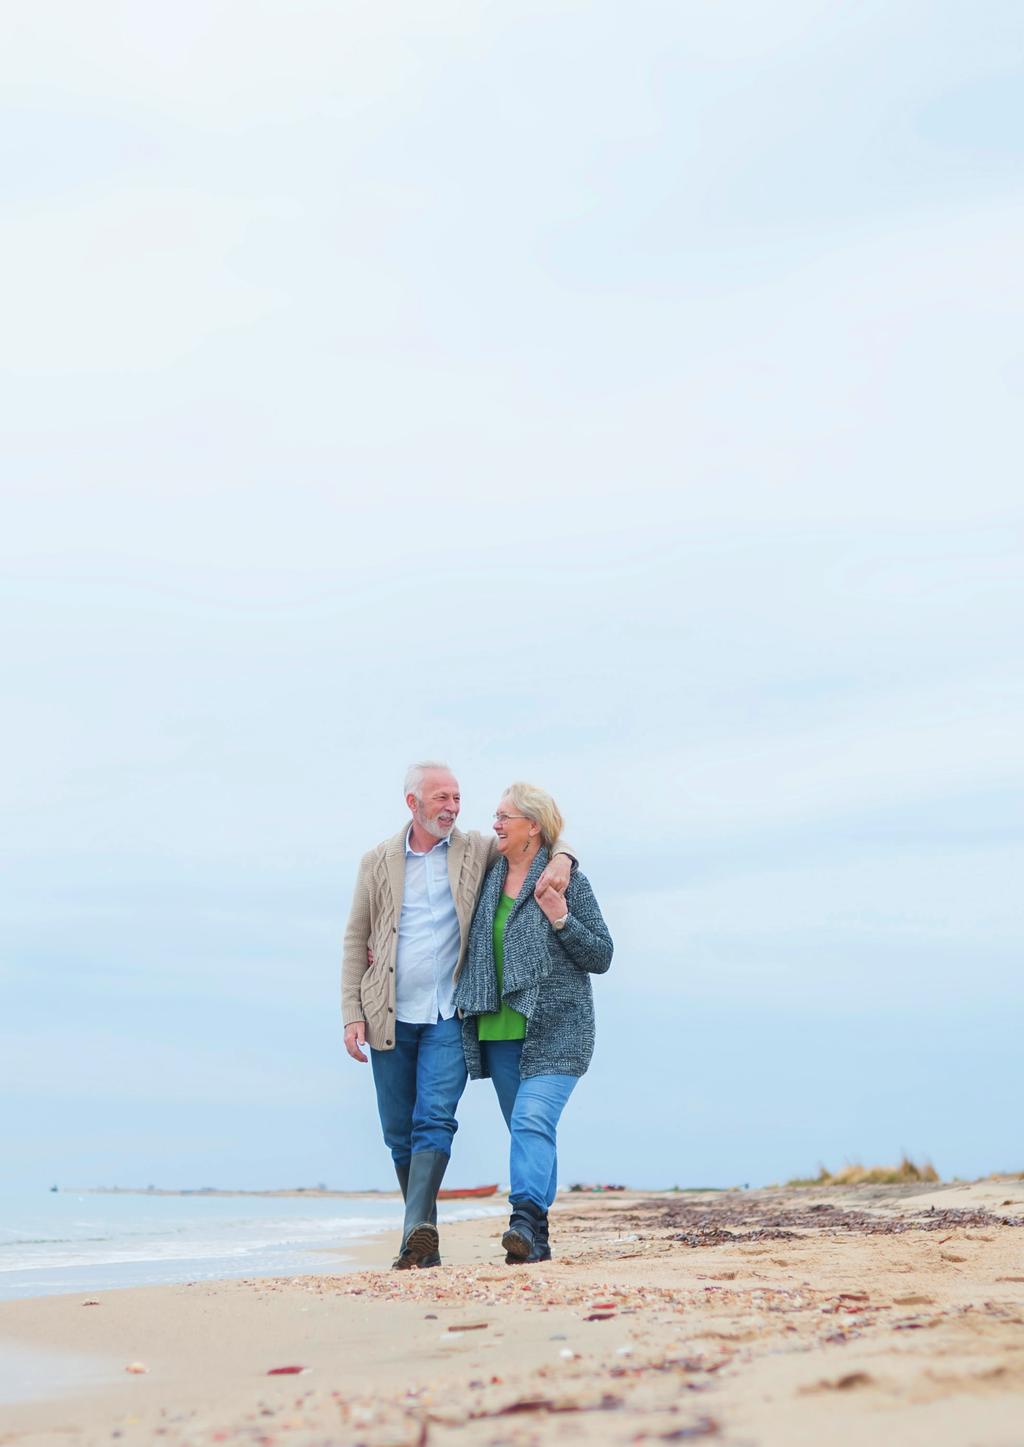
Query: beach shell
(137, 1369)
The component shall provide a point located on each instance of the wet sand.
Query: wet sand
(783, 1317)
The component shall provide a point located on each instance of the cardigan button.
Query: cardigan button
(387, 1042)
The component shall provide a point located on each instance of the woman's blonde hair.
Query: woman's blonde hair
(540, 808)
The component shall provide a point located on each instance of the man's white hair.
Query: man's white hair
(414, 775)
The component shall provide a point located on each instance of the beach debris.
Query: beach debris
(468, 1325)
(703, 1427)
(293, 1371)
(600, 1316)
(90, 1303)
(606, 1402)
(717, 1236)
(137, 1369)
(671, 1365)
(735, 1219)
(851, 1380)
(845, 1383)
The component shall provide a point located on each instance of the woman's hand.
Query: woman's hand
(551, 902)
(556, 876)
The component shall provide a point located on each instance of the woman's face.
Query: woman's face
(516, 834)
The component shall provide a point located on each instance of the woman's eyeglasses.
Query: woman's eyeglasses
(504, 818)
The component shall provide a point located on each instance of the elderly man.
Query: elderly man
(404, 946)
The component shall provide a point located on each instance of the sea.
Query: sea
(56, 1242)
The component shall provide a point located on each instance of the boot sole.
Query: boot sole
(517, 1247)
(422, 1243)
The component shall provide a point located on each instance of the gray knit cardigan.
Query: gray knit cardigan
(546, 974)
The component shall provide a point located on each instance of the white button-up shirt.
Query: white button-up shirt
(429, 938)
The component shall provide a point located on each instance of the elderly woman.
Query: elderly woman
(527, 1005)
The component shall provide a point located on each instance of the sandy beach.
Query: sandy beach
(777, 1316)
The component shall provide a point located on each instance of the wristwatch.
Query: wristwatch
(559, 924)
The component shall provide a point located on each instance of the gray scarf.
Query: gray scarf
(527, 957)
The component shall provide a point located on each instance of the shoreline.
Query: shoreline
(772, 1317)
(310, 1192)
(371, 1194)
(320, 1239)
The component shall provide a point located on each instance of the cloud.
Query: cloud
(137, 1065)
(872, 932)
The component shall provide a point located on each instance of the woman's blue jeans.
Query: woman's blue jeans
(419, 1083)
(532, 1109)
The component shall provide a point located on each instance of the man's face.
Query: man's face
(437, 807)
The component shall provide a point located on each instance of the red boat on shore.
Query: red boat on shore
(458, 1195)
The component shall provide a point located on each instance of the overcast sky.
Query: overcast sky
(624, 398)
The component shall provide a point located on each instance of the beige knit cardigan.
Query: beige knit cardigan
(368, 992)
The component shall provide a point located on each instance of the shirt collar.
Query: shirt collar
(416, 853)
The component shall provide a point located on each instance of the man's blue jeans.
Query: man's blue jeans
(532, 1109)
(419, 1084)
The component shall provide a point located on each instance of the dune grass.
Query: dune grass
(857, 1175)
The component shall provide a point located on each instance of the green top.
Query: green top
(506, 1023)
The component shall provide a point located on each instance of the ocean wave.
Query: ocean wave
(140, 1243)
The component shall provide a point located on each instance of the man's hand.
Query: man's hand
(552, 903)
(556, 876)
(355, 1039)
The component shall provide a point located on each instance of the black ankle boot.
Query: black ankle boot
(527, 1222)
(541, 1247)
(541, 1244)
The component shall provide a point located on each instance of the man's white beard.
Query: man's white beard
(433, 827)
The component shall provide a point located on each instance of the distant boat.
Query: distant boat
(458, 1195)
